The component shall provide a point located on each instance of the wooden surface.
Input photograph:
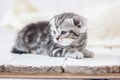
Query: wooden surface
(58, 75)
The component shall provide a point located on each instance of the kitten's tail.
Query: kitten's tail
(16, 51)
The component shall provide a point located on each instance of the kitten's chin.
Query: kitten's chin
(64, 42)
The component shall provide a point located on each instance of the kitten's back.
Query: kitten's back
(30, 37)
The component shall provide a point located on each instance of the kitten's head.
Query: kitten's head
(66, 28)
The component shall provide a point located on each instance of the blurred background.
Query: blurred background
(103, 17)
(103, 20)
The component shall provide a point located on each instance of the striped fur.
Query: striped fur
(64, 35)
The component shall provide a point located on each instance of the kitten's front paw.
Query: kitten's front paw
(75, 55)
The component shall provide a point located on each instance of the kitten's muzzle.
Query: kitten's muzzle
(58, 37)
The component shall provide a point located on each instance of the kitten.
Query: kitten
(64, 36)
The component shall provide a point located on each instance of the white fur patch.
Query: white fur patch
(65, 42)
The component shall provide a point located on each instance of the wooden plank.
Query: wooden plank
(57, 75)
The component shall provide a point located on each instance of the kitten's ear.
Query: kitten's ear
(76, 21)
(73, 21)
(79, 21)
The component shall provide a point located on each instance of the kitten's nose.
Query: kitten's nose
(58, 38)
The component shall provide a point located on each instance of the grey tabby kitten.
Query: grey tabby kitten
(64, 36)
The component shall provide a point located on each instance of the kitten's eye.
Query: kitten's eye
(79, 26)
(63, 32)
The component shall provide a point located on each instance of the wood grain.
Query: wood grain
(57, 75)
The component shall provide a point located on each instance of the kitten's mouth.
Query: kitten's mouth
(64, 42)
